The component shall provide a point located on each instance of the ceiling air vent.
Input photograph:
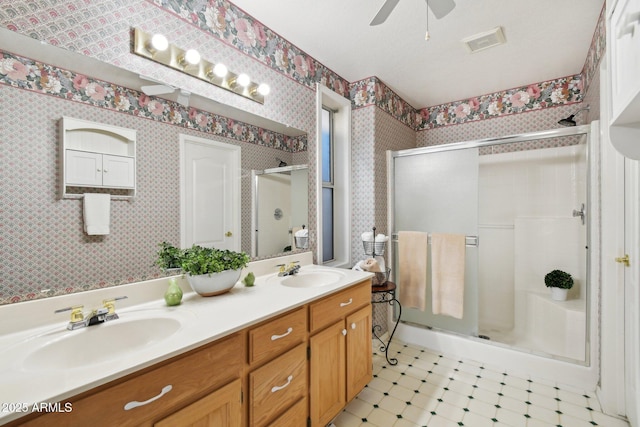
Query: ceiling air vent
(484, 40)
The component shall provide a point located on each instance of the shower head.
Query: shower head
(569, 121)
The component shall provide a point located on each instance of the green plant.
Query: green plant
(168, 256)
(200, 260)
(558, 279)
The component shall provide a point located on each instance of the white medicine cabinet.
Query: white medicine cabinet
(96, 155)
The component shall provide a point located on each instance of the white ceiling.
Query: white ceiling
(546, 39)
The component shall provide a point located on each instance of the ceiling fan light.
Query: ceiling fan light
(158, 43)
(243, 80)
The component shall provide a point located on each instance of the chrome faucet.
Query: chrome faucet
(288, 270)
(104, 314)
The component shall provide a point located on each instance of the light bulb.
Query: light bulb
(243, 80)
(264, 89)
(192, 56)
(220, 70)
(158, 43)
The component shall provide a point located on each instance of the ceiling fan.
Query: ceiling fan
(161, 89)
(440, 8)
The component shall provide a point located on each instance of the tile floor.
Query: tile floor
(428, 389)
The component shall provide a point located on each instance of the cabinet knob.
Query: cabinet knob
(344, 332)
(105, 171)
(99, 170)
(353, 326)
(228, 234)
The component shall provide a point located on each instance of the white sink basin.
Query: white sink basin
(133, 331)
(311, 279)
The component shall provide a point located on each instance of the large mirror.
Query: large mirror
(44, 250)
(280, 210)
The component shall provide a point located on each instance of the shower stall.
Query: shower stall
(523, 203)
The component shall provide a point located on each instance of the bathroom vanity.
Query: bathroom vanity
(278, 353)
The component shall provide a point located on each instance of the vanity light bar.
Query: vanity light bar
(158, 49)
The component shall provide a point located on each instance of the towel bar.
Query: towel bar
(472, 241)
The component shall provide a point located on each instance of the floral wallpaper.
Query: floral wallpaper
(596, 50)
(566, 90)
(372, 91)
(234, 27)
(35, 76)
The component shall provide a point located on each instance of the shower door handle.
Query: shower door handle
(580, 213)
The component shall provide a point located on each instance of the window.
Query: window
(327, 186)
(333, 182)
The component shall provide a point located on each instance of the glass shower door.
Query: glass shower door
(437, 192)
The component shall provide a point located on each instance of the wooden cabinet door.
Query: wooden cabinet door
(222, 408)
(327, 374)
(359, 358)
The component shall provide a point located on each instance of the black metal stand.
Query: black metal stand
(386, 294)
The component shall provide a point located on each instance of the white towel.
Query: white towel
(97, 213)
(447, 274)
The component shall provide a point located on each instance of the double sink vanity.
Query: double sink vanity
(289, 351)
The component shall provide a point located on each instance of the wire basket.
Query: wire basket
(302, 242)
(370, 246)
(380, 279)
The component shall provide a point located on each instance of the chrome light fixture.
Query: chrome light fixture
(157, 48)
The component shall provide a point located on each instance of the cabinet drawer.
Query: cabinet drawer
(276, 336)
(295, 416)
(188, 376)
(274, 387)
(335, 307)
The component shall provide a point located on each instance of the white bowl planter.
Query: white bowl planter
(212, 284)
(559, 294)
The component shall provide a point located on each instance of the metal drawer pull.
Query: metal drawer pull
(134, 404)
(278, 388)
(344, 304)
(277, 337)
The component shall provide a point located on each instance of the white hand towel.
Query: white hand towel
(97, 213)
(447, 274)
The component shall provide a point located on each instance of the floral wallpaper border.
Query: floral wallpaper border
(372, 91)
(36, 76)
(234, 27)
(551, 93)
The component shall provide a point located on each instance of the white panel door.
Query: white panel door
(83, 168)
(632, 290)
(210, 193)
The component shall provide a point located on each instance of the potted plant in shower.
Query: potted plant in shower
(559, 282)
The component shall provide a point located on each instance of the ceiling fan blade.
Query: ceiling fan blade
(183, 97)
(384, 12)
(156, 90)
(441, 8)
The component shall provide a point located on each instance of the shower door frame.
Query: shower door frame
(586, 130)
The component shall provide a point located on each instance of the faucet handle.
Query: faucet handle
(282, 267)
(76, 312)
(292, 264)
(110, 304)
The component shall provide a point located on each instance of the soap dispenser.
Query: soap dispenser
(173, 296)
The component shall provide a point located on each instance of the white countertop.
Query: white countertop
(206, 319)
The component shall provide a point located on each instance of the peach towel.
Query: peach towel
(447, 274)
(412, 257)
